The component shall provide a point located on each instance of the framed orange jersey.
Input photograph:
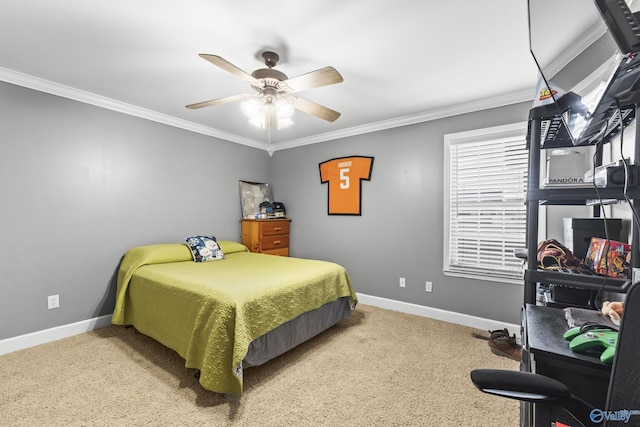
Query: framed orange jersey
(344, 176)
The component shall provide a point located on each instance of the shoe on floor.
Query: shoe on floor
(502, 344)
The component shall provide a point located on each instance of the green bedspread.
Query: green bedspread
(209, 312)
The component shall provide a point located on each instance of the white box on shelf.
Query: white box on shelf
(565, 168)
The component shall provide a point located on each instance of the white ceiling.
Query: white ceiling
(403, 61)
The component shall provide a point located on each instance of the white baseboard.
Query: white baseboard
(20, 342)
(9, 345)
(438, 314)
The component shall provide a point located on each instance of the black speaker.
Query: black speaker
(614, 177)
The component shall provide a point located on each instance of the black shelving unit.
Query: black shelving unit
(536, 197)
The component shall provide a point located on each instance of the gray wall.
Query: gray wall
(399, 233)
(79, 185)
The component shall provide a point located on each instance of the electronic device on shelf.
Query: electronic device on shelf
(613, 175)
(590, 102)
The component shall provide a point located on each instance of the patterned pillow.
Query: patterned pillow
(204, 248)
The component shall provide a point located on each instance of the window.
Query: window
(485, 211)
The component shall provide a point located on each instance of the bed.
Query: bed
(225, 315)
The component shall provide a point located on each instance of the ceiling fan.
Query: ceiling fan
(273, 104)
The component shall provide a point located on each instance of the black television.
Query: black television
(587, 53)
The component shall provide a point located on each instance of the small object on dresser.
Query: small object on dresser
(279, 210)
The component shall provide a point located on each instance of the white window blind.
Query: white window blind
(486, 212)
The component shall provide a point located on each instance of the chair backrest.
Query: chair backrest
(623, 397)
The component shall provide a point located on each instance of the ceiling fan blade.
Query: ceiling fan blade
(322, 77)
(316, 109)
(215, 102)
(228, 66)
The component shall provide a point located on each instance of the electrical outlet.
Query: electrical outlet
(429, 287)
(53, 301)
(402, 282)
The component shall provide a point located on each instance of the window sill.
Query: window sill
(484, 276)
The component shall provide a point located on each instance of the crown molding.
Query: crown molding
(576, 48)
(46, 86)
(435, 114)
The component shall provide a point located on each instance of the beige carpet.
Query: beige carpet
(380, 368)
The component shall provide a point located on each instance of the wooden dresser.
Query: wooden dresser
(268, 236)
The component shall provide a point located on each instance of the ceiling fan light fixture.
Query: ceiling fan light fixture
(251, 106)
(264, 122)
(260, 108)
(284, 107)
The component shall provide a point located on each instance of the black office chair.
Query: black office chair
(623, 396)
